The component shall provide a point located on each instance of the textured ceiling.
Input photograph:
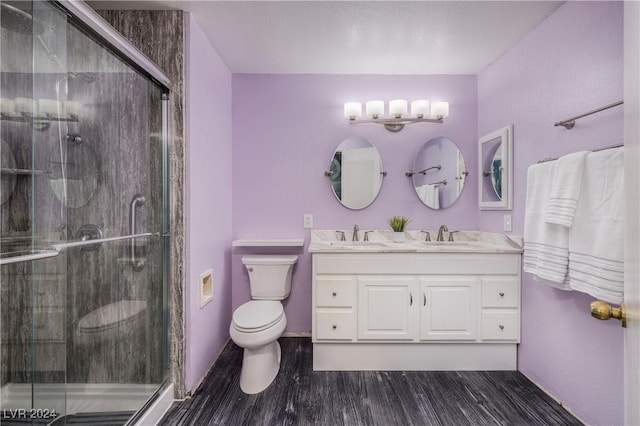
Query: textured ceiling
(359, 37)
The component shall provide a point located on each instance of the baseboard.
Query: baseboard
(552, 396)
(213, 364)
(158, 409)
(413, 357)
(296, 334)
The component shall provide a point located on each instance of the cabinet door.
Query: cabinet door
(448, 308)
(386, 308)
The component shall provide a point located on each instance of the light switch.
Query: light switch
(507, 223)
(308, 220)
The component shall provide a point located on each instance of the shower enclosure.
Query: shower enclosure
(84, 231)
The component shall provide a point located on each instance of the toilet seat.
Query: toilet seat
(257, 315)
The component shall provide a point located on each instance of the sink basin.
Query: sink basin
(450, 243)
(358, 243)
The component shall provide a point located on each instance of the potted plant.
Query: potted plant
(398, 224)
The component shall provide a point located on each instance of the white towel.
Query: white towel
(565, 189)
(546, 245)
(430, 195)
(596, 258)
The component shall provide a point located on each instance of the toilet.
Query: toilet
(256, 325)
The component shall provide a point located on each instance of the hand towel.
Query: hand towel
(596, 248)
(430, 195)
(546, 245)
(565, 189)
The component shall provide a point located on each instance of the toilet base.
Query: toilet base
(259, 367)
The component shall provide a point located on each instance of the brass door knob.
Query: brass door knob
(604, 311)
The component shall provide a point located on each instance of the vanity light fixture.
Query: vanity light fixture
(422, 111)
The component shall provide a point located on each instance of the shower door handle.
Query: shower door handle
(137, 201)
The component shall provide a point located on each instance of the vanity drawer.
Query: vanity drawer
(500, 325)
(335, 325)
(338, 292)
(500, 293)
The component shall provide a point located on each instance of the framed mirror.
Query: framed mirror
(356, 173)
(439, 173)
(495, 156)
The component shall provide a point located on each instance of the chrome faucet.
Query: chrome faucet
(355, 233)
(440, 236)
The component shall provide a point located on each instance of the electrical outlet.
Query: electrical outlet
(507, 223)
(308, 220)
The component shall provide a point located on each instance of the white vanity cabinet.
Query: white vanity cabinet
(415, 311)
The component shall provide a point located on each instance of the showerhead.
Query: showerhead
(19, 21)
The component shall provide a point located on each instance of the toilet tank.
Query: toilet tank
(270, 276)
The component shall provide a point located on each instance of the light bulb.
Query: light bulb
(374, 109)
(352, 110)
(440, 109)
(397, 108)
(420, 108)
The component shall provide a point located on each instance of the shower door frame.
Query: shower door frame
(83, 16)
(128, 51)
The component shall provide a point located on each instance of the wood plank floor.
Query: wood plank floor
(301, 396)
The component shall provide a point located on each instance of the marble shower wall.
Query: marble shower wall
(120, 126)
(160, 35)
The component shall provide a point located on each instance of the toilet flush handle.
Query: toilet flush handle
(250, 269)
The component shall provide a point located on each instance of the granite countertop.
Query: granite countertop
(380, 241)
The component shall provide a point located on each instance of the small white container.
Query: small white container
(399, 237)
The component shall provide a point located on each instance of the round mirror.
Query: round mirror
(73, 176)
(439, 173)
(496, 173)
(492, 170)
(8, 173)
(356, 173)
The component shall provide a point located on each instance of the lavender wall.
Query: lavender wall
(208, 158)
(285, 130)
(571, 63)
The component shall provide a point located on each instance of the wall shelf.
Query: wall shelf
(275, 242)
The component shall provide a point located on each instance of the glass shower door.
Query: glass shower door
(82, 240)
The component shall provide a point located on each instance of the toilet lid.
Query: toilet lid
(257, 315)
(112, 315)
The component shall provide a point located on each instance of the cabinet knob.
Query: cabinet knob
(501, 327)
(334, 294)
(334, 326)
(501, 294)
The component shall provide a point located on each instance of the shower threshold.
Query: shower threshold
(74, 401)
